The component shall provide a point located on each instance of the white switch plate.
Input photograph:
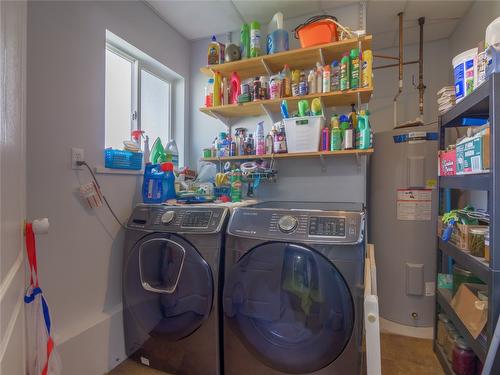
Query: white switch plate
(76, 155)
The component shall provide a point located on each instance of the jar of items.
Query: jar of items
(476, 241)
(487, 245)
(453, 335)
(464, 359)
(441, 329)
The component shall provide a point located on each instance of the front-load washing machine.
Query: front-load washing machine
(171, 287)
(293, 292)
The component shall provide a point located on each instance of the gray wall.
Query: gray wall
(80, 260)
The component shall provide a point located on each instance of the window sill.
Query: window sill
(103, 170)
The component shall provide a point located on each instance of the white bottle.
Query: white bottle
(319, 78)
(146, 153)
(171, 148)
(326, 78)
(311, 81)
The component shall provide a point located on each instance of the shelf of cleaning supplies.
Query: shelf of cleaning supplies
(293, 155)
(261, 107)
(301, 58)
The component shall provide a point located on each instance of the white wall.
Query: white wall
(80, 260)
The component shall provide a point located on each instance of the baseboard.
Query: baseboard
(386, 326)
(97, 349)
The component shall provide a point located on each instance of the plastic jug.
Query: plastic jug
(172, 153)
(277, 39)
(235, 88)
(158, 185)
(217, 91)
(363, 132)
(367, 68)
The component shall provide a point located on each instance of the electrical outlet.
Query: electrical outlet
(76, 155)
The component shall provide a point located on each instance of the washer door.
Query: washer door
(290, 306)
(168, 288)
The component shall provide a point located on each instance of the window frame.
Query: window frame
(138, 65)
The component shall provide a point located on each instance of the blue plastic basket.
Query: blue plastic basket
(120, 159)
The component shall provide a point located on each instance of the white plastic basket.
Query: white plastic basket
(303, 133)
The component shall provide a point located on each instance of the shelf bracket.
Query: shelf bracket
(268, 112)
(266, 67)
(226, 121)
(321, 56)
(323, 108)
(322, 162)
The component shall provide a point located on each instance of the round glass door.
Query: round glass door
(168, 287)
(290, 306)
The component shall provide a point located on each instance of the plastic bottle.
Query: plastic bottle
(235, 89)
(255, 49)
(146, 152)
(277, 39)
(209, 93)
(364, 133)
(245, 41)
(316, 107)
(325, 139)
(345, 72)
(171, 149)
(354, 57)
(279, 144)
(159, 183)
(348, 136)
(367, 68)
(214, 52)
(295, 82)
(303, 90)
(335, 76)
(326, 78)
(169, 193)
(260, 140)
(217, 92)
(269, 144)
(319, 78)
(311, 81)
(353, 117)
(236, 185)
(336, 134)
(286, 81)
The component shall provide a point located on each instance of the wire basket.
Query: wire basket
(120, 159)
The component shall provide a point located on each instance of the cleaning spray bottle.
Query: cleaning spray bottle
(255, 49)
(326, 78)
(277, 39)
(325, 138)
(336, 134)
(311, 80)
(245, 41)
(345, 72)
(319, 78)
(217, 89)
(355, 73)
(364, 133)
(367, 68)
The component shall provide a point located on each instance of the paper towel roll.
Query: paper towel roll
(41, 226)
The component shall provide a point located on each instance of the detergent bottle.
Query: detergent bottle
(311, 81)
(255, 49)
(345, 72)
(277, 39)
(158, 185)
(235, 89)
(367, 68)
(217, 89)
(354, 77)
(335, 76)
(336, 134)
(169, 178)
(286, 76)
(364, 133)
(215, 52)
(245, 41)
(236, 185)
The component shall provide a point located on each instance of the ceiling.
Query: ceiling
(197, 19)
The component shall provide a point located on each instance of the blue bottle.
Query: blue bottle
(159, 183)
(277, 40)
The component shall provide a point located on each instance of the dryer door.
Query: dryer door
(290, 306)
(168, 289)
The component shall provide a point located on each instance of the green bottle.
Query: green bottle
(255, 49)
(245, 41)
(236, 186)
(364, 133)
(345, 72)
(354, 57)
(336, 135)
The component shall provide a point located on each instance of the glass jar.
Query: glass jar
(441, 329)
(476, 241)
(464, 359)
(487, 245)
(450, 344)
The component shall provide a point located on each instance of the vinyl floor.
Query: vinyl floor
(401, 355)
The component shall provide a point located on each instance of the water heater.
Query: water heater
(402, 208)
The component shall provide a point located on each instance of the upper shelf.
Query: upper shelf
(301, 58)
(260, 107)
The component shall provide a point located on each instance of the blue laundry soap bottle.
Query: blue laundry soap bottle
(277, 40)
(159, 183)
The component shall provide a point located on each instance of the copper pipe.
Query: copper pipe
(421, 86)
(400, 83)
(386, 57)
(394, 65)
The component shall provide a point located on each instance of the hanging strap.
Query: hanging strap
(31, 250)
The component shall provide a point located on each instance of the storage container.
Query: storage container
(463, 358)
(450, 344)
(476, 241)
(317, 30)
(120, 159)
(461, 275)
(465, 73)
(447, 162)
(303, 133)
(460, 234)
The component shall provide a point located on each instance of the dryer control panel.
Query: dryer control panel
(176, 219)
(341, 227)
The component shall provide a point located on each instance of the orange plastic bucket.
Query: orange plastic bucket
(315, 33)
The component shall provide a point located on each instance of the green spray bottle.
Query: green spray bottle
(335, 135)
(364, 132)
(236, 185)
(345, 72)
(354, 77)
(245, 41)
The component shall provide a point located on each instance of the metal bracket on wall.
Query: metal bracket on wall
(266, 67)
(269, 113)
(321, 56)
(226, 121)
(322, 161)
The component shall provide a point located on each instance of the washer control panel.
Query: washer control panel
(178, 219)
(342, 227)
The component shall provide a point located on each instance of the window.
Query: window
(137, 96)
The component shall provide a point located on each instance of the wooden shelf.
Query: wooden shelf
(293, 155)
(260, 107)
(301, 58)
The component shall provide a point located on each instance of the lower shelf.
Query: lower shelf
(441, 356)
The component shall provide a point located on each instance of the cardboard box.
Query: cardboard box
(447, 162)
(470, 309)
(460, 235)
(473, 153)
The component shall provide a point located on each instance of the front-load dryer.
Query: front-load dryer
(171, 287)
(293, 290)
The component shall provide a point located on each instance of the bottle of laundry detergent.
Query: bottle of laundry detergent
(363, 133)
(155, 186)
(215, 52)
